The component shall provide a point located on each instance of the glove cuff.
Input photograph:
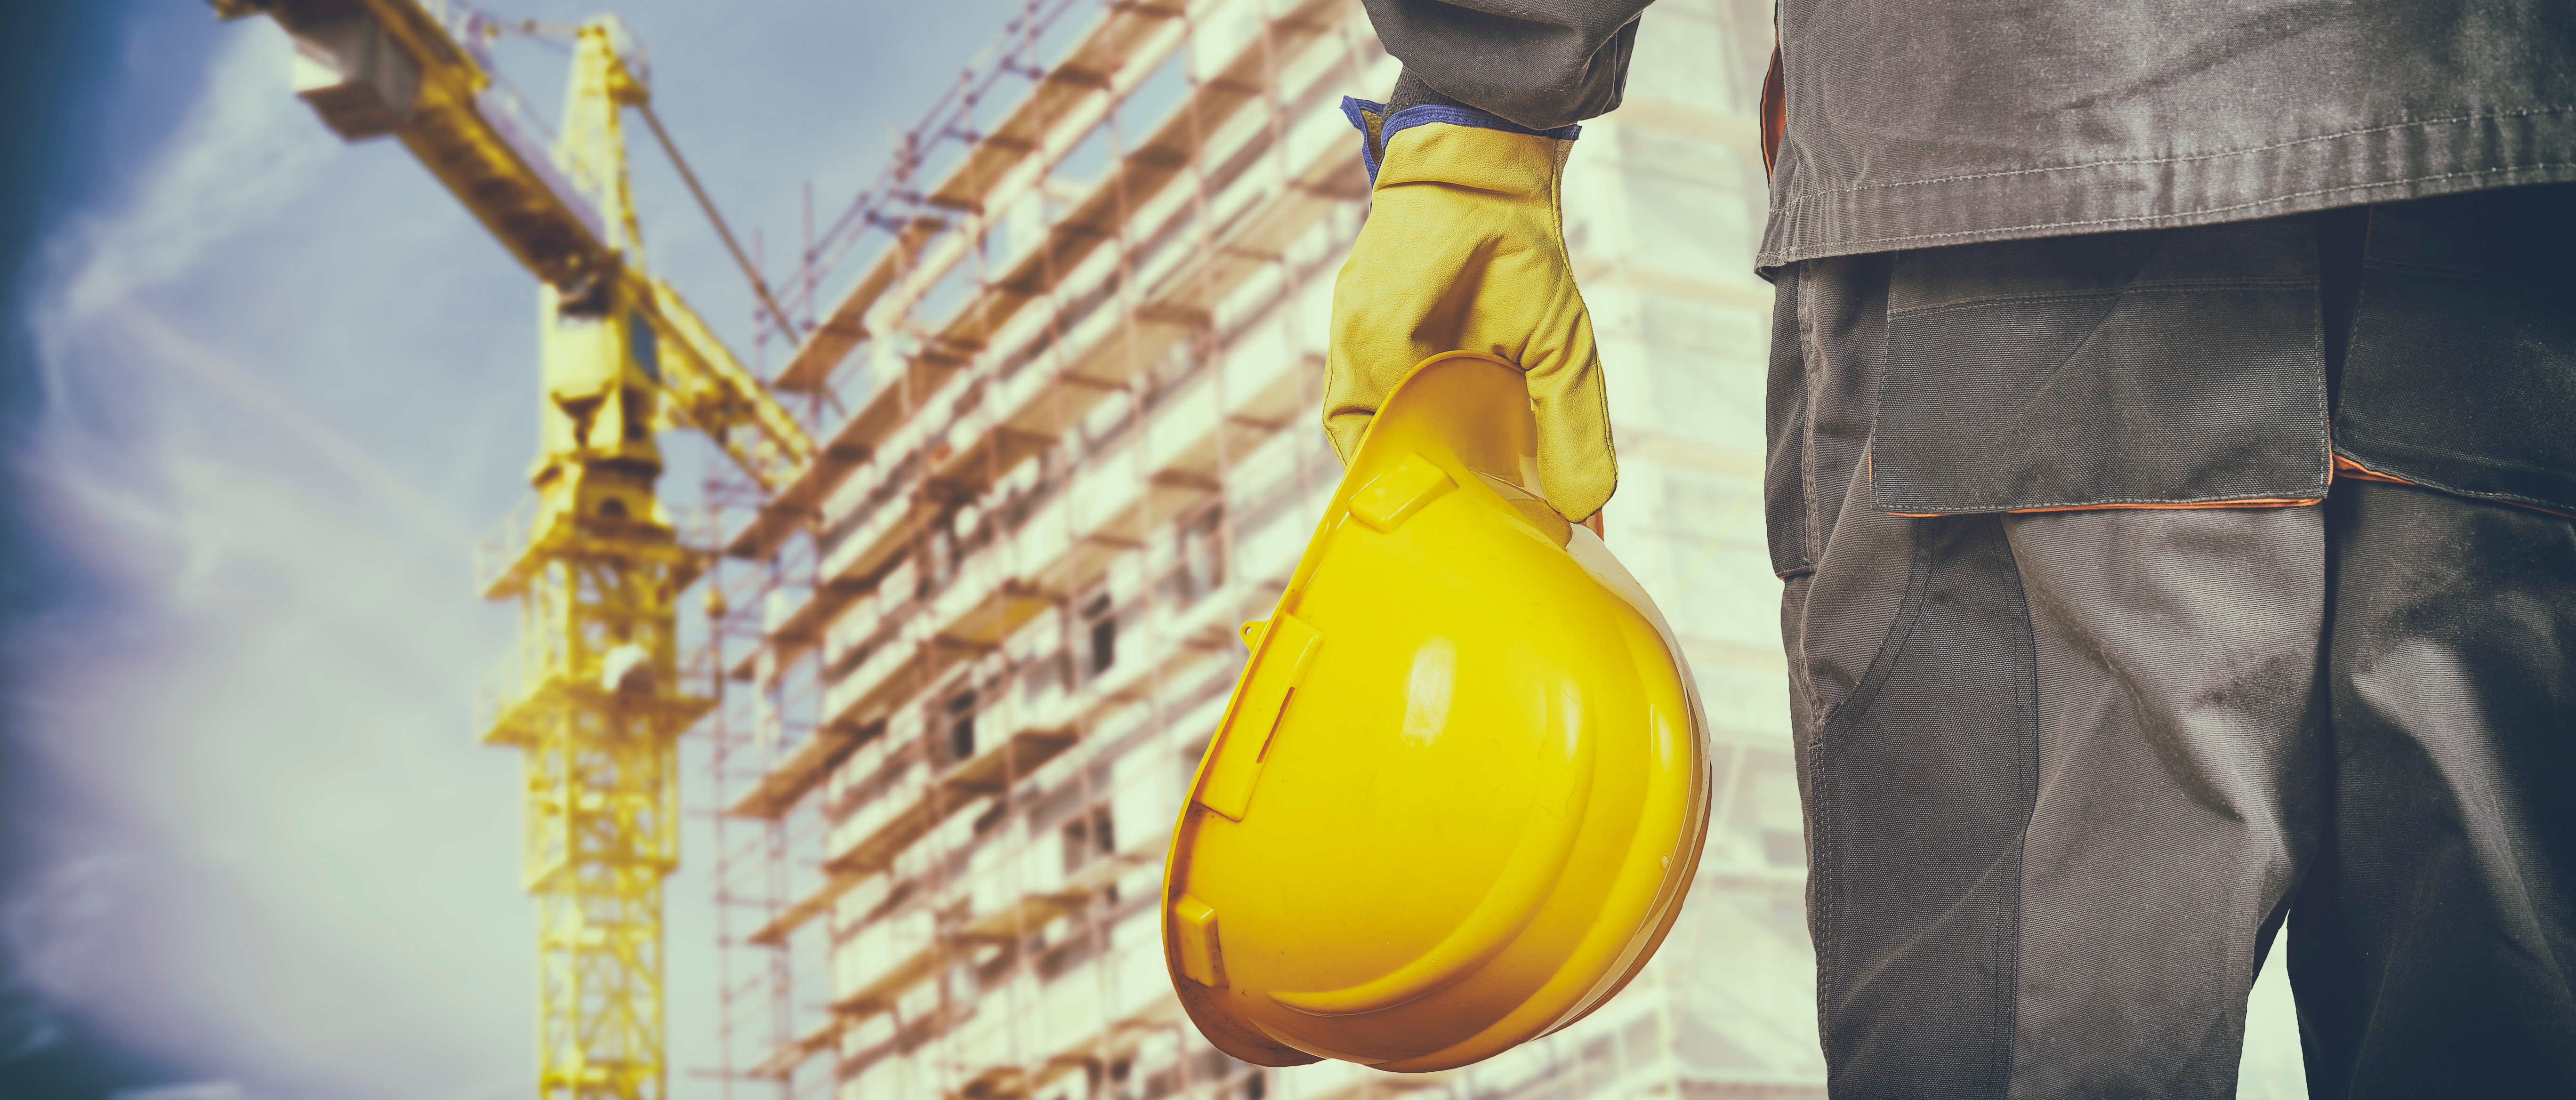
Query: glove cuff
(1377, 127)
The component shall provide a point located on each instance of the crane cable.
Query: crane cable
(546, 32)
(759, 286)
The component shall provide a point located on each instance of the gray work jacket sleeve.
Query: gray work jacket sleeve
(1540, 63)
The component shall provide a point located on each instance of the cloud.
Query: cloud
(336, 450)
(298, 872)
(246, 151)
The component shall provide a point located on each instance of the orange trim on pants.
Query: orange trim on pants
(2343, 468)
(2255, 502)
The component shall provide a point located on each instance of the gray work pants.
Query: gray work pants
(2066, 773)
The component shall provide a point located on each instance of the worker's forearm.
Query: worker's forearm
(1539, 63)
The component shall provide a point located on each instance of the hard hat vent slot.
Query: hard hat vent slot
(1287, 647)
(1386, 502)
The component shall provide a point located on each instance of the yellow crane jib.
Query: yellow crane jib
(593, 696)
(419, 70)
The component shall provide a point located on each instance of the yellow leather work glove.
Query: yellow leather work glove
(1464, 250)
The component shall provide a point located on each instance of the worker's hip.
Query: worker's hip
(2068, 762)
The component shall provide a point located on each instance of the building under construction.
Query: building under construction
(1029, 432)
(1061, 365)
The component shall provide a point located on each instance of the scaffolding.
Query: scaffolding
(962, 653)
(1065, 408)
(1077, 263)
(989, 526)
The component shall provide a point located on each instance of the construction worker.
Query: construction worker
(2172, 456)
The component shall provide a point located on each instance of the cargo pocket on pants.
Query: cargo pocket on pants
(2159, 368)
(2462, 372)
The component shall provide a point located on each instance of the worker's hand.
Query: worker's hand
(1464, 250)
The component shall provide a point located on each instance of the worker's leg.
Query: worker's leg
(2058, 768)
(2180, 787)
(2060, 771)
(2433, 945)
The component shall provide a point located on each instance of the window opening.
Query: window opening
(1087, 838)
(1202, 554)
(961, 727)
(1104, 634)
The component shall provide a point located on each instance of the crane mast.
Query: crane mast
(593, 696)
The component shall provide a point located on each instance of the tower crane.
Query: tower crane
(593, 696)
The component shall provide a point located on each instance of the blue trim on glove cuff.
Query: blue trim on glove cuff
(1373, 146)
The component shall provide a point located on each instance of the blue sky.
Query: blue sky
(263, 389)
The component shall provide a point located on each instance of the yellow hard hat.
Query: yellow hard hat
(1461, 786)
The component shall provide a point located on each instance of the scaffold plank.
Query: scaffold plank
(1111, 48)
(1013, 922)
(831, 341)
(1151, 167)
(874, 852)
(1129, 42)
(895, 672)
(979, 777)
(781, 787)
(1109, 352)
